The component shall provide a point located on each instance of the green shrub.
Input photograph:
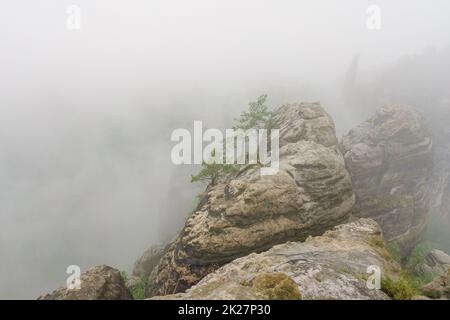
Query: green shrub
(401, 289)
(124, 275)
(138, 288)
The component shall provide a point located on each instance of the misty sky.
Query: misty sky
(86, 115)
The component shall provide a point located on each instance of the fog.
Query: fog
(86, 115)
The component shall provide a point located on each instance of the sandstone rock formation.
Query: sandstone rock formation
(332, 266)
(311, 193)
(98, 283)
(438, 288)
(390, 157)
(436, 263)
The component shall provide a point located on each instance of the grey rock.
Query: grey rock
(98, 283)
(390, 158)
(331, 266)
(311, 193)
(436, 263)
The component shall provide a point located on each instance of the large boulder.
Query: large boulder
(390, 158)
(311, 193)
(98, 283)
(336, 265)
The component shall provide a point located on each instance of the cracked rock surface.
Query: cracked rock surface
(331, 266)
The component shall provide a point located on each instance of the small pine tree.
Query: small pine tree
(211, 172)
(258, 116)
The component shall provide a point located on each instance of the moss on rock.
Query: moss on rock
(276, 286)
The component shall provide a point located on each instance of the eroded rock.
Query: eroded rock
(436, 263)
(390, 158)
(98, 283)
(331, 266)
(311, 193)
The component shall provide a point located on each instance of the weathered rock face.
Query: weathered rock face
(331, 266)
(438, 288)
(98, 283)
(148, 261)
(436, 263)
(311, 193)
(440, 183)
(390, 158)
